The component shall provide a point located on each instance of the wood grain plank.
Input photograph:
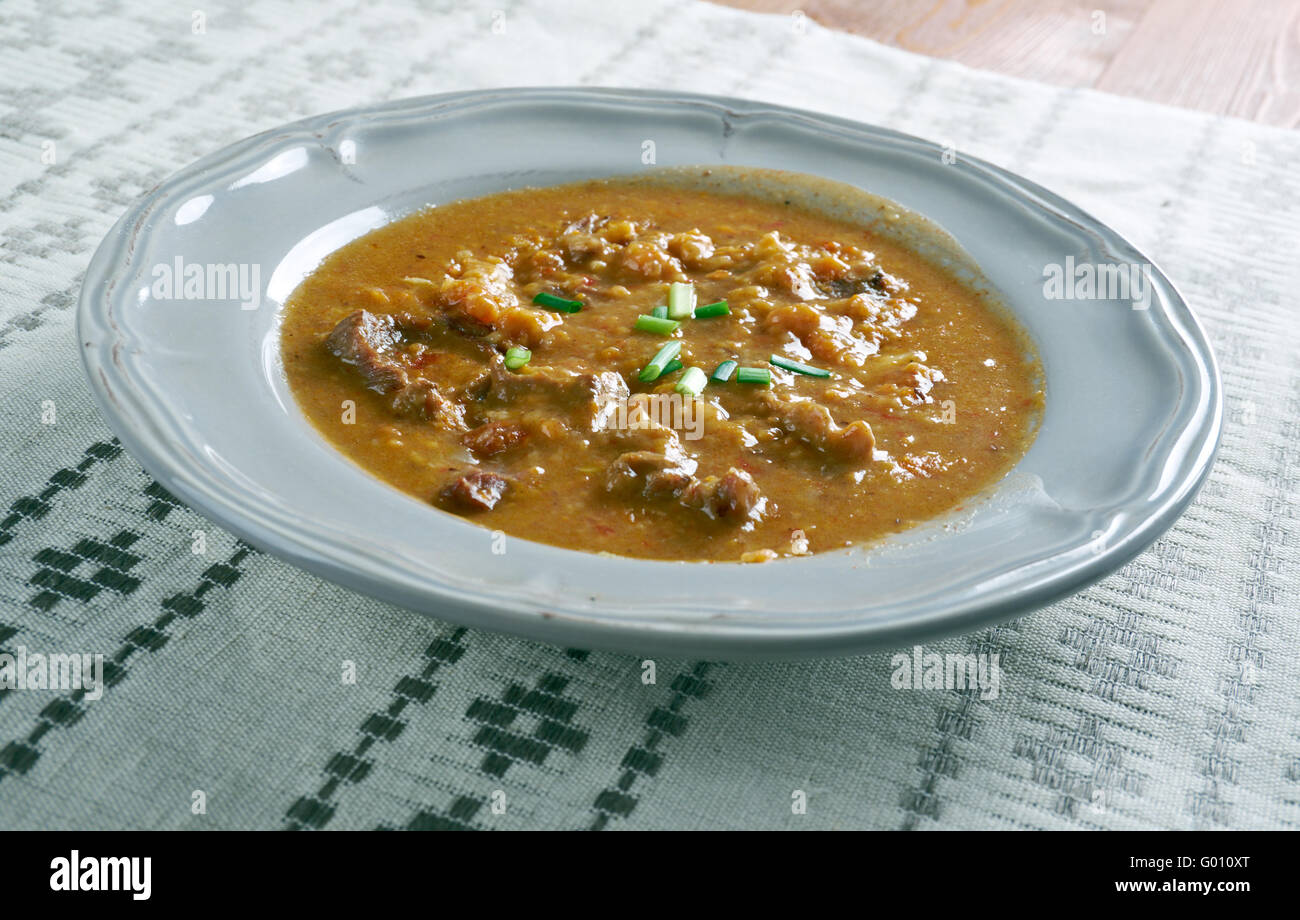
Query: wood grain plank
(1231, 57)
(1054, 41)
(1236, 57)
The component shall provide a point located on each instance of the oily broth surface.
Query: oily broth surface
(990, 389)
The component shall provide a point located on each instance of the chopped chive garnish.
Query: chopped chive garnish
(655, 368)
(517, 356)
(692, 382)
(805, 369)
(656, 325)
(660, 311)
(759, 375)
(673, 367)
(681, 300)
(560, 304)
(712, 309)
(723, 372)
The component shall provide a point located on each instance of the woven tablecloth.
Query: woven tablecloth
(1165, 696)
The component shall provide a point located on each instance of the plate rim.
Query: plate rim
(768, 639)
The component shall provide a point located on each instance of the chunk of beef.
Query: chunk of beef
(733, 496)
(366, 341)
(493, 438)
(580, 242)
(476, 490)
(875, 283)
(812, 423)
(590, 400)
(587, 224)
(907, 380)
(657, 464)
(657, 473)
(662, 469)
(601, 395)
(423, 400)
(370, 343)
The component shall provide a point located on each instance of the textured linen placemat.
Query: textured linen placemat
(1162, 697)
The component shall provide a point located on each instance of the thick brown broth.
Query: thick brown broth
(933, 394)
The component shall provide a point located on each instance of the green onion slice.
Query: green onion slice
(759, 375)
(517, 356)
(559, 304)
(712, 309)
(673, 367)
(655, 368)
(692, 382)
(660, 311)
(681, 300)
(805, 369)
(723, 372)
(656, 325)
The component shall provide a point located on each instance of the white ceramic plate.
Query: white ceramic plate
(195, 390)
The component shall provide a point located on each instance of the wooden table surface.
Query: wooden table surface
(1231, 57)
